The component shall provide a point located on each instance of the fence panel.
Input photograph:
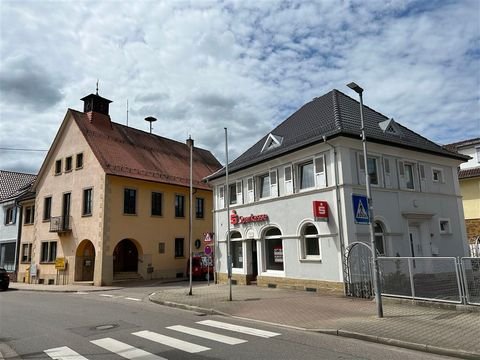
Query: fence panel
(426, 278)
(471, 276)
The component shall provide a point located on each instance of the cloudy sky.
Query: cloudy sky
(200, 66)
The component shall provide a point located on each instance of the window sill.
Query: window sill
(180, 217)
(156, 216)
(79, 168)
(46, 220)
(199, 218)
(27, 224)
(129, 214)
(86, 215)
(47, 262)
(180, 257)
(311, 260)
(68, 171)
(278, 273)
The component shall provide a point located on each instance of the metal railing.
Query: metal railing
(60, 224)
(471, 279)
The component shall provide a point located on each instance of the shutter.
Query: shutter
(250, 190)
(273, 184)
(239, 189)
(221, 197)
(421, 172)
(320, 173)
(388, 175)
(288, 180)
(361, 169)
(401, 175)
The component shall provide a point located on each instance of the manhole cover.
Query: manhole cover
(106, 327)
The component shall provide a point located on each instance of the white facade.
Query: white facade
(8, 234)
(416, 203)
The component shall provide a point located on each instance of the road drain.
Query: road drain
(106, 327)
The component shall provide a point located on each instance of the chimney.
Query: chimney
(96, 108)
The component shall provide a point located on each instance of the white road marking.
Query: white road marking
(172, 342)
(105, 295)
(238, 328)
(134, 299)
(64, 353)
(207, 335)
(81, 293)
(124, 350)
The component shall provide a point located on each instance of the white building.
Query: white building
(316, 155)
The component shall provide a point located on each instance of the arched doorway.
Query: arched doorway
(359, 275)
(125, 257)
(85, 261)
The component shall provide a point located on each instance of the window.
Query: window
(409, 184)
(264, 185)
(232, 188)
(29, 214)
(288, 180)
(236, 252)
(306, 176)
(10, 215)
(199, 208)
(437, 175)
(47, 208)
(179, 206)
(444, 226)
(310, 242)
(379, 238)
(221, 197)
(372, 169)
(157, 199)
(250, 190)
(26, 253)
(58, 167)
(478, 154)
(274, 249)
(161, 248)
(79, 161)
(129, 201)
(68, 164)
(49, 252)
(320, 173)
(179, 247)
(87, 202)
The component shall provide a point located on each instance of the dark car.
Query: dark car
(201, 267)
(4, 279)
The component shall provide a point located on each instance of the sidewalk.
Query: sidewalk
(436, 330)
(60, 288)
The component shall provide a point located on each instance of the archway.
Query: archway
(85, 261)
(125, 257)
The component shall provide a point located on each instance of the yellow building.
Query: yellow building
(112, 202)
(469, 179)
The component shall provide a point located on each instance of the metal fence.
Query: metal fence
(475, 249)
(444, 279)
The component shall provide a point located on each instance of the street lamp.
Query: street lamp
(376, 272)
(190, 218)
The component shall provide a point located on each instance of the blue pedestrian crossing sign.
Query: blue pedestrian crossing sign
(360, 209)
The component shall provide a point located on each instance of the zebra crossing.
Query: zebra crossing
(129, 351)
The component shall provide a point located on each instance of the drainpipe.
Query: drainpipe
(19, 238)
(339, 213)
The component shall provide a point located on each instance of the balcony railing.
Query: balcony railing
(60, 224)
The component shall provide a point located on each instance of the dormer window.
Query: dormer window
(390, 127)
(272, 142)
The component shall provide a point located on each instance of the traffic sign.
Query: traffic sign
(208, 237)
(207, 250)
(360, 209)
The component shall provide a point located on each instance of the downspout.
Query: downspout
(19, 238)
(339, 213)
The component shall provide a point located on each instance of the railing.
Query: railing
(60, 224)
(471, 279)
(9, 266)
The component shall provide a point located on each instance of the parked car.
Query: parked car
(4, 279)
(201, 266)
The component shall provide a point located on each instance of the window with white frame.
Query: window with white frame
(306, 175)
(9, 215)
(221, 196)
(236, 250)
(273, 249)
(26, 256)
(310, 242)
(437, 175)
(250, 190)
(478, 154)
(387, 172)
(406, 173)
(48, 252)
(264, 186)
(372, 165)
(379, 238)
(232, 193)
(288, 178)
(29, 215)
(320, 171)
(444, 226)
(273, 183)
(236, 193)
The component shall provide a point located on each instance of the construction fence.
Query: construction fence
(444, 279)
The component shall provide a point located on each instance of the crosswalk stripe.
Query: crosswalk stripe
(64, 353)
(125, 350)
(105, 295)
(134, 299)
(172, 342)
(238, 328)
(207, 335)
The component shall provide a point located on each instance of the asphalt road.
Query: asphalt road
(124, 324)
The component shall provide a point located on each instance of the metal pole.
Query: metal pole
(190, 218)
(376, 272)
(227, 196)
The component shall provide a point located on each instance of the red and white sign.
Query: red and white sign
(236, 219)
(320, 210)
(208, 237)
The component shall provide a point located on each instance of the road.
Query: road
(124, 324)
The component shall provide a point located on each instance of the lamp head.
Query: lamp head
(355, 87)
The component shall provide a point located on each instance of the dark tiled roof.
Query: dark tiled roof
(469, 173)
(14, 184)
(463, 143)
(331, 115)
(129, 152)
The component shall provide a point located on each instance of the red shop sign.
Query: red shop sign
(235, 219)
(320, 210)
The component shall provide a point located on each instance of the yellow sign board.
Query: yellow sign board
(60, 263)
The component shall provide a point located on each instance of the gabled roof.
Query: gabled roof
(133, 153)
(328, 116)
(469, 173)
(13, 184)
(464, 143)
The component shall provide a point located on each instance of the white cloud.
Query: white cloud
(204, 65)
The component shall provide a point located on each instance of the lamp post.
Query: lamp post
(190, 218)
(376, 272)
(227, 197)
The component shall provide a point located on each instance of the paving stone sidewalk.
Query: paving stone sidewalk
(437, 330)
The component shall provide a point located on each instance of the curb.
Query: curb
(63, 291)
(338, 332)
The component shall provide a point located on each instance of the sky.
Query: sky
(200, 66)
